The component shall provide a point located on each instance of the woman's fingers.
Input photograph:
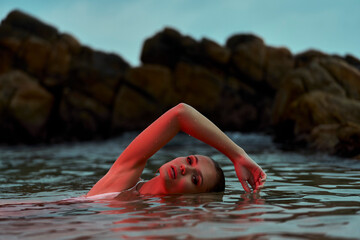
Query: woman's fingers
(245, 185)
(255, 177)
(262, 176)
(252, 182)
(260, 181)
(259, 185)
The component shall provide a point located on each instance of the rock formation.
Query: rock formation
(318, 103)
(53, 89)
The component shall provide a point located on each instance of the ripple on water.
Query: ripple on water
(307, 196)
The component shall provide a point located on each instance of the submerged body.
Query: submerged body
(187, 174)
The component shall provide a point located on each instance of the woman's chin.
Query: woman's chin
(166, 181)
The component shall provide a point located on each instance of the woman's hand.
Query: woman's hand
(250, 172)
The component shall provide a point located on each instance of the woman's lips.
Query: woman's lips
(172, 172)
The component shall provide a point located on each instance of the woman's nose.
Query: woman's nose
(182, 169)
(185, 169)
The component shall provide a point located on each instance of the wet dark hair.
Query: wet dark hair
(219, 185)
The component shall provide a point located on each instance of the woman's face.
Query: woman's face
(191, 174)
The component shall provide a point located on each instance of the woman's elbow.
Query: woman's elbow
(181, 109)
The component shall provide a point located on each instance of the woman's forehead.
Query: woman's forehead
(204, 158)
(205, 163)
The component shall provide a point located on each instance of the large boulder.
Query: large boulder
(353, 61)
(340, 139)
(156, 82)
(82, 83)
(248, 55)
(35, 53)
(25, 102)
(214, 52)
(233, 112)
(148, 90)
(304, 58)
(168, 47)
(132, 110)
(345, 75)
(318, 103)
(300, 81)
(83, 116)
(278, 62)
(197, 86)
(317, 107)
(97, 74)
(30, 25)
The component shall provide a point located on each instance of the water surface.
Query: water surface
(307, 195)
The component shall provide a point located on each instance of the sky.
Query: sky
(121, 26)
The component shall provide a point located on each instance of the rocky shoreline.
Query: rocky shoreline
(54, 89)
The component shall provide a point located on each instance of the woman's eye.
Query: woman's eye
(195, 180)
(189, 160)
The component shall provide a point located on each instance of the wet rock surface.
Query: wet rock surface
(52, 88)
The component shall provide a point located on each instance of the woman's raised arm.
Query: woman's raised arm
(127, 169)
(248, 171)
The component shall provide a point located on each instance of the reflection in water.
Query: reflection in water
(199, 215)
(173, 215)
(307, 196)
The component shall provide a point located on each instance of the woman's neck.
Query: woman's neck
(153, 186)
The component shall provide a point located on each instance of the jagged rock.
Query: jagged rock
(195, 85)
(6, 61)
(72, 43)
(132, 111)
(278, 62)
(303, 59)
(248, 55)
(82, 82)
(353, 61)
(239, 39)
(168, 47)
(340, 139)
(317, 101)
(324, 137)
(235, 113)
(35, 54)
(10, 39)
(215, 52)
(299, 82)
(97, 74)
(236, 85)
(349, 141)
(9, 45)
(30, 25)
(58, 61)
(317, 107)
(83, 116)
(157, 83)
(23, 100)
(78, 93)
(346, 76)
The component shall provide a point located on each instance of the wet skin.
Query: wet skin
(180, 175)
(190, 174)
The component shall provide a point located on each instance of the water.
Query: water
(307, 195)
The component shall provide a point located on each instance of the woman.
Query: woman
(189, 174)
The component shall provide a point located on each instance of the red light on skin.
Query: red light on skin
(127, 169)
(172, 172)
(169, 173)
